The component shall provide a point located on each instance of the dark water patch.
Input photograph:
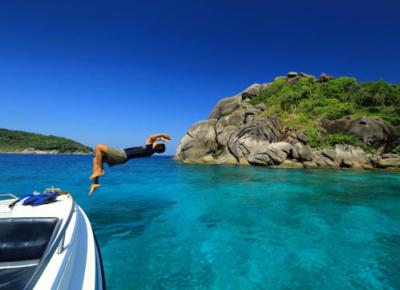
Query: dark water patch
(210, 220)
(121, 220)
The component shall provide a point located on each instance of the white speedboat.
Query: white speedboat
(49, 246)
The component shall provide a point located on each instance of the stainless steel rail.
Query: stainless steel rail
(9, 194)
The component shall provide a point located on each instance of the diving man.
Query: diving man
(113, 156)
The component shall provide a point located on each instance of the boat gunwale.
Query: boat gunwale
(54, 243)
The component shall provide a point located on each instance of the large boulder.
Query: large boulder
(372, 131)
(199, 143)
(323, 161)
(225, 126)
(290, 164)
(329, 153)
(249, 115)
(270, 154)
(302, 152)
(325, 78)
(228, 105)
(249, 137)
(335, 126)
(253, 90)
(310, 164)
(391, 162)
(302, 137)
(225, 107)
(292, 74)
(351, 156)
(261, 107)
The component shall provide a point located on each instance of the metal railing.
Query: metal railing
(13, 196)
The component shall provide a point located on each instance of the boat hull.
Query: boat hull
(72, 258)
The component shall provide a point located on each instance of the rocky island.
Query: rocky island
(301, 121)
(22, 142)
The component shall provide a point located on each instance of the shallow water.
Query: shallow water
(165, 225)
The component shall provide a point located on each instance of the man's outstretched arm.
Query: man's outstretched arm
(156, 137)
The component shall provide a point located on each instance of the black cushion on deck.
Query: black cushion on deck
(15, 279)
(24, 238)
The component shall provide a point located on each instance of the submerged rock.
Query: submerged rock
(310, 164)
(290, 164)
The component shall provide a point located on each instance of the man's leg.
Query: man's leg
(95, 185)
(98, 161)
(97, 167)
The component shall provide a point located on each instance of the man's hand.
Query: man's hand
(165, 137)
(155, 137)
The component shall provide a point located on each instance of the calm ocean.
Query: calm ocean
(165, 225)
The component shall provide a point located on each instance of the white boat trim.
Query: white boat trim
(19, 264)
(51, 248)
(71, 259)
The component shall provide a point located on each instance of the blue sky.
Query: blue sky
(115, 71)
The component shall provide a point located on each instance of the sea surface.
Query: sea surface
(166, 225)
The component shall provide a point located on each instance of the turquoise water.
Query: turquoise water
(164, 225)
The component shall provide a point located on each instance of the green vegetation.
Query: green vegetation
(303, 103)
(334, 139)
(16, 141)
(396, 149)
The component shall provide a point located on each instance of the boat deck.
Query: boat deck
(59, 209)
(37, 227)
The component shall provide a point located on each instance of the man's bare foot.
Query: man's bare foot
(93, 187)
(97, 174)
